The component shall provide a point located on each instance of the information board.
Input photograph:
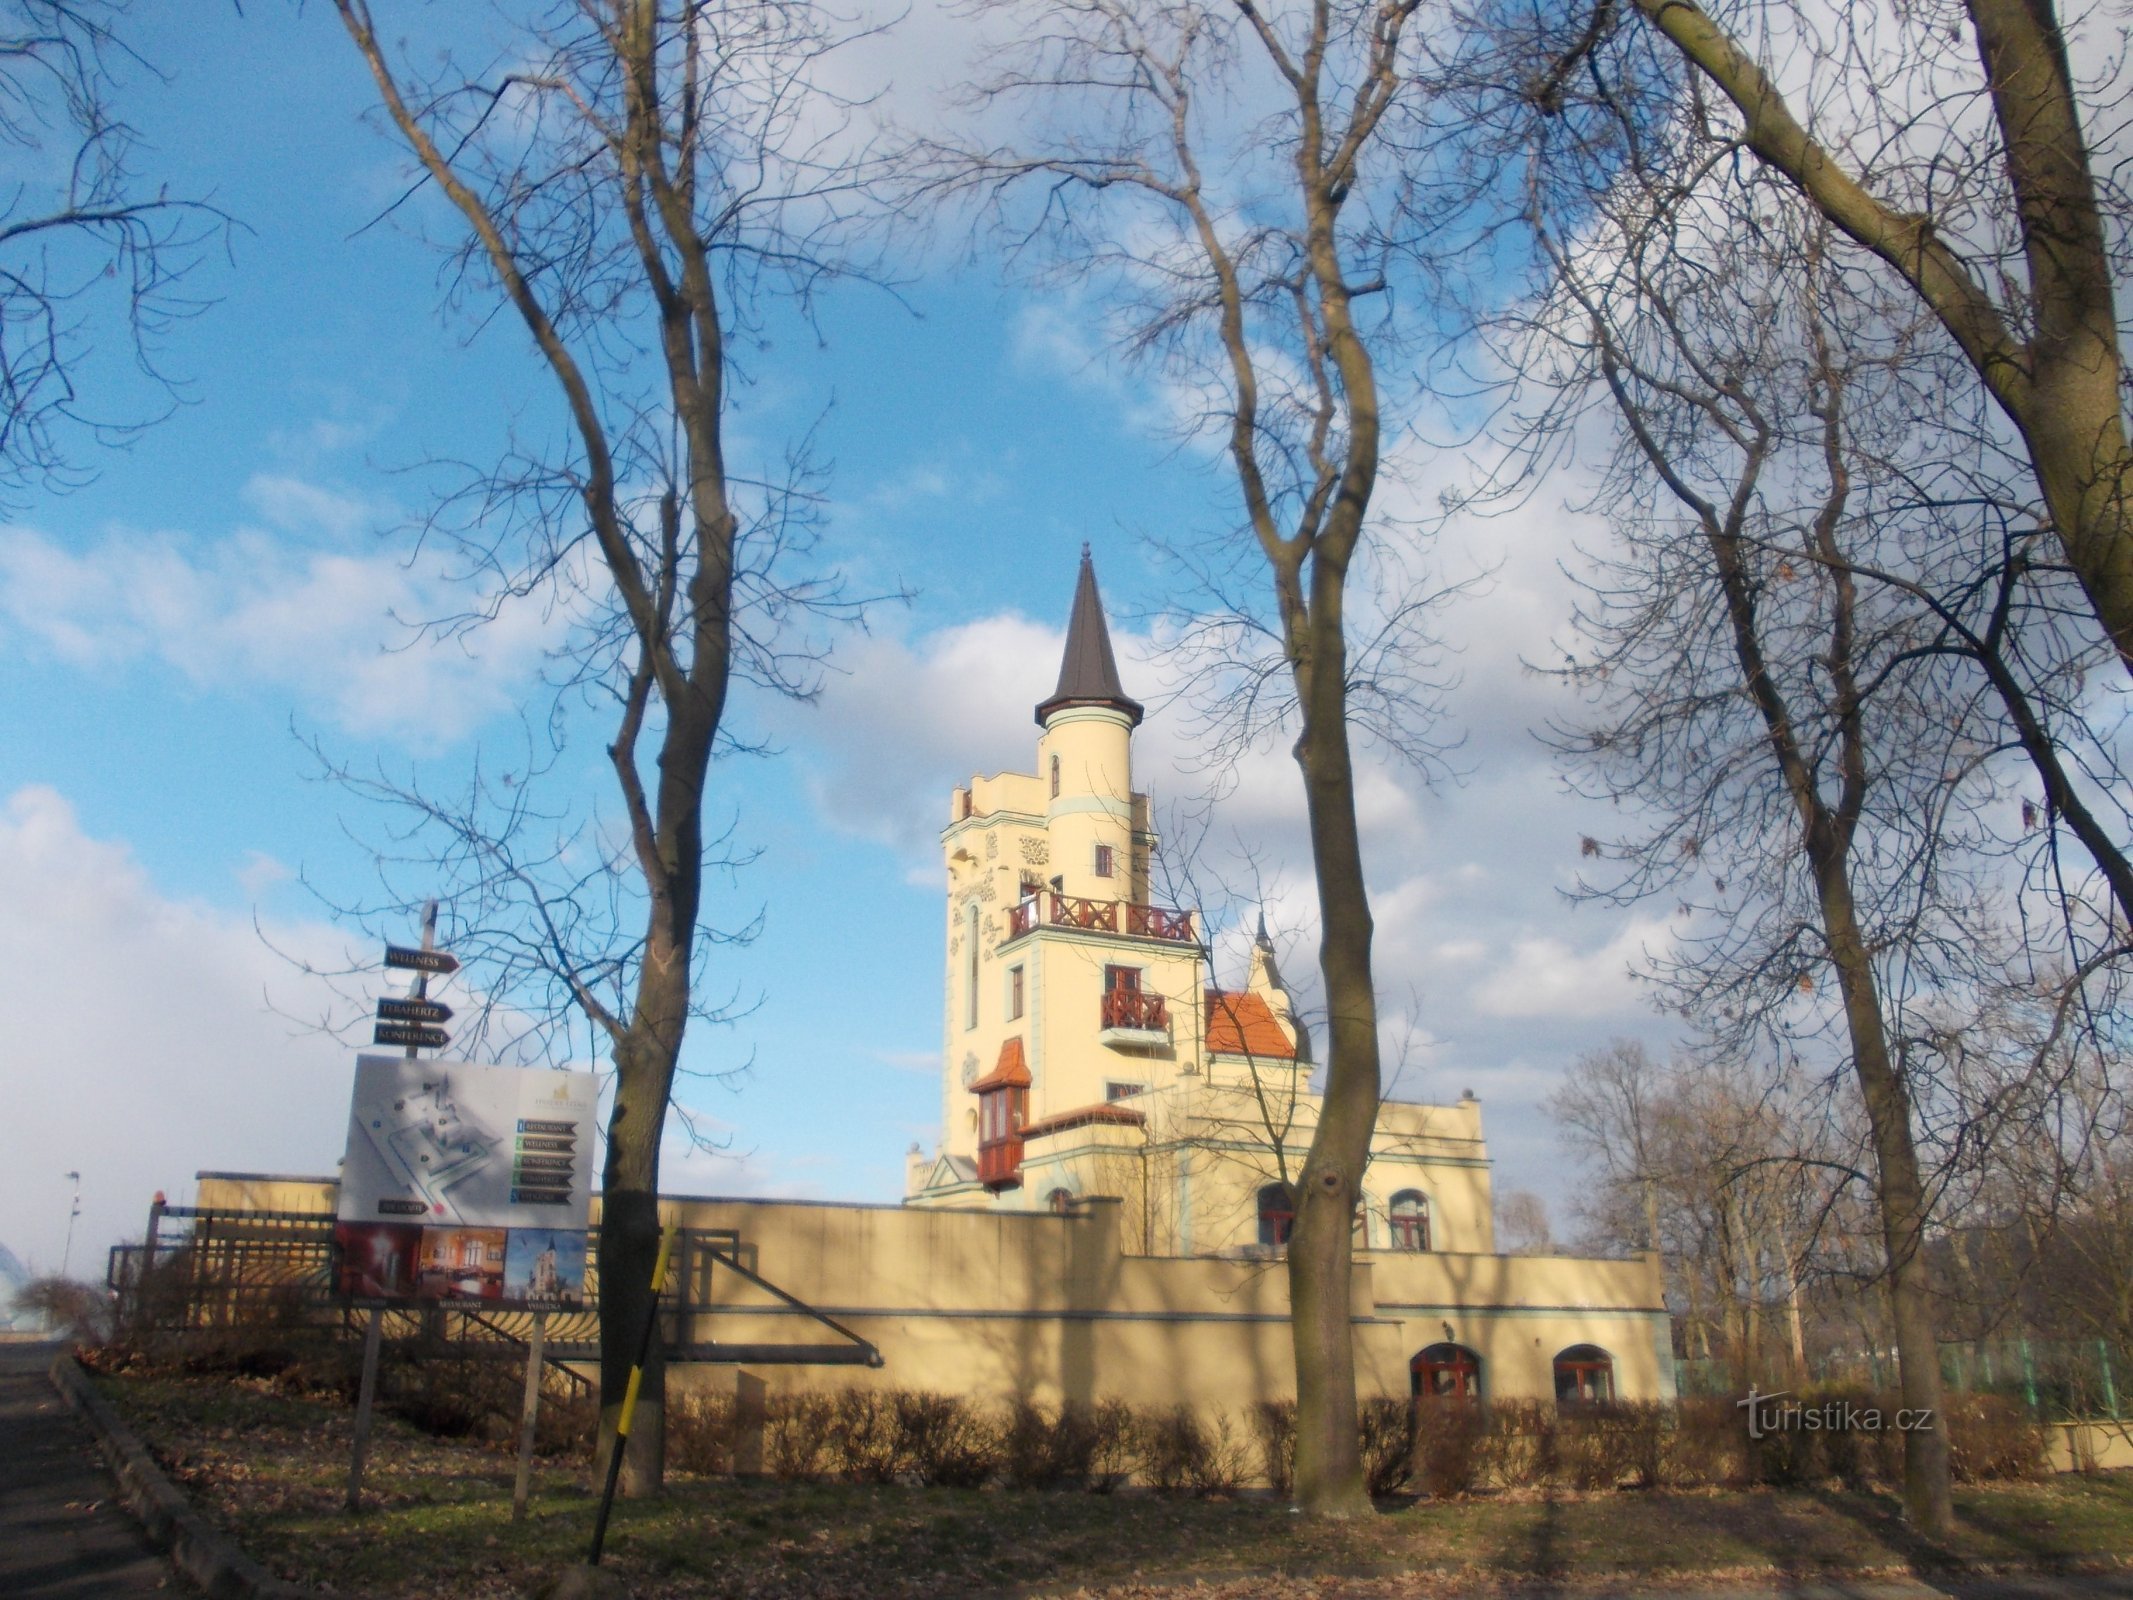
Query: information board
(466, 1182)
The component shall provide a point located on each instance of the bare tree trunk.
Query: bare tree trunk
(1329, 1467)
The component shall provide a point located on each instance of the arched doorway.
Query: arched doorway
(1584, 1376)
(1445, 1372)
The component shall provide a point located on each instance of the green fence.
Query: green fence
(2055, 1380)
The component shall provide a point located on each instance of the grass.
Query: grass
(272, 1469)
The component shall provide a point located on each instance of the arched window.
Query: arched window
(1059, 1202)
(1055, 777)
(1409, 1216)
(1446, 1371)
(1584, 1376)
(1277, 1214)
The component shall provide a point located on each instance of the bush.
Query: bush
(1597, 1446)
(1451, 1444)
(1041, 1449)
(1181, 1454)
(1707, 1445)
(79, 1312)
(865, 1441)
(945, 1440)
(1993, 1437)
(1519, 1443)
(1117, 1434)
(797, 1436)
(1387, 1434)
(700, 1432)
(1273, 1424)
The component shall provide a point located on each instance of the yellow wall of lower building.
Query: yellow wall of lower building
(996, 1304)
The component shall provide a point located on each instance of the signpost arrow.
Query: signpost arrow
(438, 961)
(412, 1034)
(393, 1010)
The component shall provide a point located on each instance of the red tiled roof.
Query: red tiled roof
(1240, 1023)
(1009, 1072)
(1123, 1116)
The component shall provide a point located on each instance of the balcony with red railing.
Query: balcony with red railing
(1050, 909)
(1133, 1008)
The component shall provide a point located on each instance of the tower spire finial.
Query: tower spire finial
(1088, 671)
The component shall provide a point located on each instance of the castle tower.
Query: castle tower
(1085, 758)
(1066, 989)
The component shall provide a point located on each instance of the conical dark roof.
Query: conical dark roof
(1088, 672)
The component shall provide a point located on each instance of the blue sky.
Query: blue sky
(231, 577)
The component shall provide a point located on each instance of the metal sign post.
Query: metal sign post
(411, 1021)
(365, 1398)
(528, 1415)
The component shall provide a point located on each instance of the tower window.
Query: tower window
(1055, 777)
(1103, 861)
(1014, 993)
(1409, 1216)
(970, 976)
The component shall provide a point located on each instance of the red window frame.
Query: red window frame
(1410, 1228)
(1277, 1214)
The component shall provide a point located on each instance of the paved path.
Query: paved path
(62, 1534)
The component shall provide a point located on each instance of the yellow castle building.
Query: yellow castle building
(1085, 1047)
(1106, 1211)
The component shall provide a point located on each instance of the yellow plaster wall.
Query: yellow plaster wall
(997, 1303)
(1094, 746)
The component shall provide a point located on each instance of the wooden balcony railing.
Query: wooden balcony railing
(1134, 1008)
(1047, 908)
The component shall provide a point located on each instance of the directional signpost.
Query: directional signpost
(410, 1021)
(412, 1034)
(425, 960)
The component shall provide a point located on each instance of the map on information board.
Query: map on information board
(449, 1143)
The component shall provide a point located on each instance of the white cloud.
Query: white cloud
(138, 1040)
(1546, 976)
(271, 613)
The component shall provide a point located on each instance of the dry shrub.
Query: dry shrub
(1386, 1428)
(700, 1431)
(1990, 1436)
(797, 1436)
(1273, 1424)
(1707, 1445)
(1451, 1445)
(1598, 1446)
(1117, 1448)
(1179, 1453)
(944, 1440)
(1520, 1444)
(1044, 1448)
(865, 1442)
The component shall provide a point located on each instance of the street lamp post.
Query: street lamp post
(67, 1255)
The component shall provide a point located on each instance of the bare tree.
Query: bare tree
(1223, 172)
(1753, 689)
(84, 239)
(1999, 227)
(634, 182)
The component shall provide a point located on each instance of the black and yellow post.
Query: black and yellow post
(629, 1394)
